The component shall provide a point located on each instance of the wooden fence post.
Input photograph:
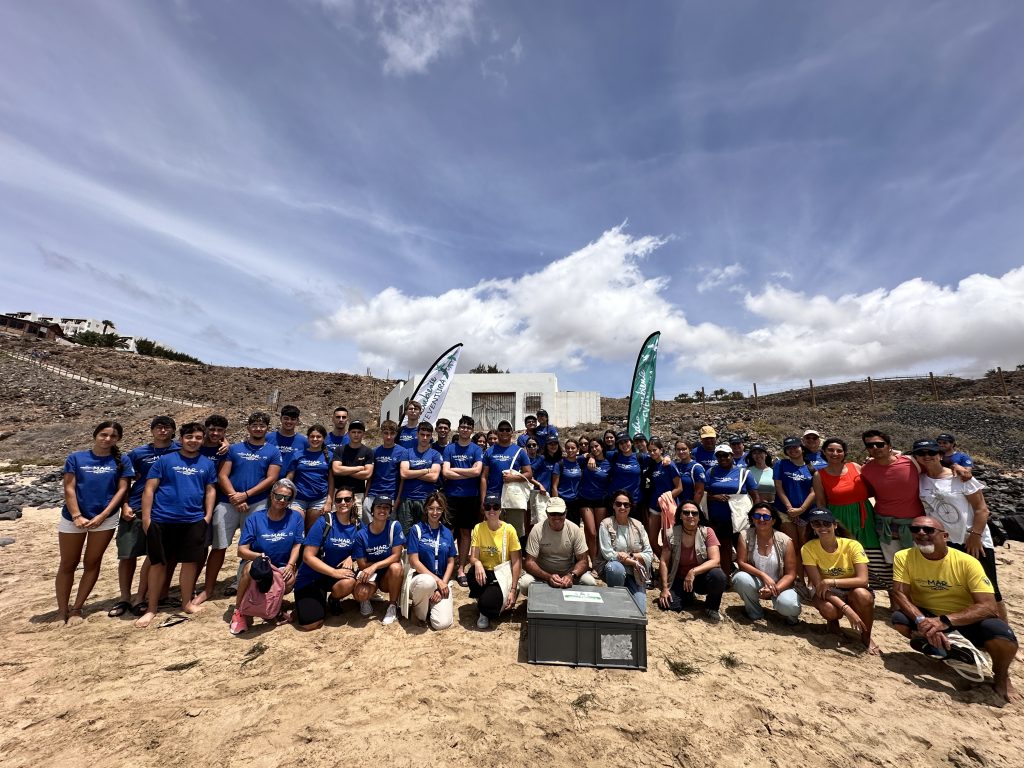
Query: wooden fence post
(814, 402)
(935, 389)
(1002, 381)
(756, 406)
(871, 390)
(704, 400)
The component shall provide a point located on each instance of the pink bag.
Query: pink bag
(263, 605)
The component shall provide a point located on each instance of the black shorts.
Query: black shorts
(572, 510)
(593, 503)
(131, 539)
(978, 633)
(311, 601)
(464, 512)
(176, 542)
(988, 564)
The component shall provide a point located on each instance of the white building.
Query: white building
(72, 325)
(491, 397)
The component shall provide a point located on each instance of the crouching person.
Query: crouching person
(432, 558)
(327, 574)
(691, 566)
(556, 552)
(378, 553)
(273, 537)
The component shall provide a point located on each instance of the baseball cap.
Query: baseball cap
(812, 432)
(356, 425)
(492, 498)
(791, 442)
(927, 444)
(821, 515)
(556, 506)
(619, 437)
(735, 440)
(723, 448)
(946, 438)
(383, 501)
(707, 431)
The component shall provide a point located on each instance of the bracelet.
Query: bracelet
(75, 517)
(973, 533)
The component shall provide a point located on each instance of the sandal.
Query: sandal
(120, 608)
(138, 610)
(174, 620)
(463, 581)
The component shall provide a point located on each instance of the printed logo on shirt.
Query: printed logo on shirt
(936, 585)
(835, 572)
(379, 549)
(188, 471)
(249, 456)
(104, 469)
(341, 542)
(385, 459)
(275, 536)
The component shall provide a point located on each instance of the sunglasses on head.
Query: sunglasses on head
(762, 516)
(874, 445)
(491, 507)
(928, 529)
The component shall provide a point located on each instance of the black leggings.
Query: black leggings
(487, 595)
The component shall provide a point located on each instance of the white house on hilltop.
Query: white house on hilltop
(72, 325)
(491, 397)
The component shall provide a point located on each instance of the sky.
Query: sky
(787, 191)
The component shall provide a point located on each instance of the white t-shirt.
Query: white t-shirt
(945, 499)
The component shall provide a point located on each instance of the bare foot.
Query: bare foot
(196, 601)
(192, 606)
(872, 647)
(1004, 688)
(59, 618)
(145, 620)
(75, 617)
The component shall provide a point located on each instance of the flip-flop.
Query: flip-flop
(120, 608)
(463, 581)
(140, 609)
(173, 620)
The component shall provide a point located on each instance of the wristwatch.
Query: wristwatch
(945, 620)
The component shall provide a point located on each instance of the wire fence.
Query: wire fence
(67, 373)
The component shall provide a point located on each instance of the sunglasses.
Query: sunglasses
(928, 529)
(345, 499)
(556, 514)
(820, 524)
(926, 453)
(282, 496)
(620, 504)
(874, 445)
(690, 512)
(504, 429)
(491, 507)
(762, 516)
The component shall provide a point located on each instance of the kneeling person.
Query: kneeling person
(943, 596)
(432, 558)
(556, 552)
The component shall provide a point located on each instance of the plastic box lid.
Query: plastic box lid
(605, 604)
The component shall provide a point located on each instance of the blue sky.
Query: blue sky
(786, 190)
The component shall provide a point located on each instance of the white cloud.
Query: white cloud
(598, 306)
(414, 33)
(713, 277)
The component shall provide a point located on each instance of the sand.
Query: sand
(357, 693)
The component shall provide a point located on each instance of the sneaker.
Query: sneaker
(365, 608)
(792, 621)
(483, 622)
(391, 614)
(921, 645)
(713, 615)
(238, 623)
(966, 660)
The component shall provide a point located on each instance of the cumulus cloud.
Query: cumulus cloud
(786, 334)
(712, 277)
(414, 33)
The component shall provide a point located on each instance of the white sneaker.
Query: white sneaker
(391, 614)
(483, 622)
(365, 608)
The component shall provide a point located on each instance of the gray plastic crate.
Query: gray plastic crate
(585, 627)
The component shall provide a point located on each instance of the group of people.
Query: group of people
(324, 516)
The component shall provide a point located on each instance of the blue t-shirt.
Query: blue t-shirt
(717, 480)
(212, 452)
(289, 446)
(458, 457)
(96, 481)
(524, 438)
(625, 475)
(142, 459)
(704, 457)
(691, 473)
(249, 466)
(544, 433)
(740, 461)
(433, 546)
(595, 481)
(408, 437)
(662, 479)
(416, 489)
(179, 497)
(311, 470)
(338, 546)
(815, 459)
(544, 470)
(374, 547)
(796, 483)
(274, 538)
(332, 442)
(385, 470)
(569, 478)
(958, 457)
(497, 459)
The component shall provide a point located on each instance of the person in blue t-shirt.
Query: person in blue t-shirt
(287, 440)
(419, 470)
(548, 465)
(811, 444)
(338, 436)
(407, 435)
(176, 509)
(626, 470)
(704, 454)
(690, 472)
(565, 484)
(594, 494)
(505, 462)
(130, 537)
(951, 457)
(530, 423)
(327, 574)
(545, 430)
(664, 479)
(95, 484)
(739, 453)
(463, 462)
(385, 480)
(311, 473)
(432, 558)
(720, 482)
(275, 532)
(215, 446)
(794, 494)
(244, 480)
(378, 553)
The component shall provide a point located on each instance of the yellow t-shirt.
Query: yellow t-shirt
(940, 586)
(834, 565)
(490, 543)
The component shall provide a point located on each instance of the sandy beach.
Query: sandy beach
(358, 693)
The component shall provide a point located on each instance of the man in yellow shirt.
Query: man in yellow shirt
(943, 596)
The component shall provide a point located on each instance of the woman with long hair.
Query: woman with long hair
(593, 491)
(310, 470)
(625, 554)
